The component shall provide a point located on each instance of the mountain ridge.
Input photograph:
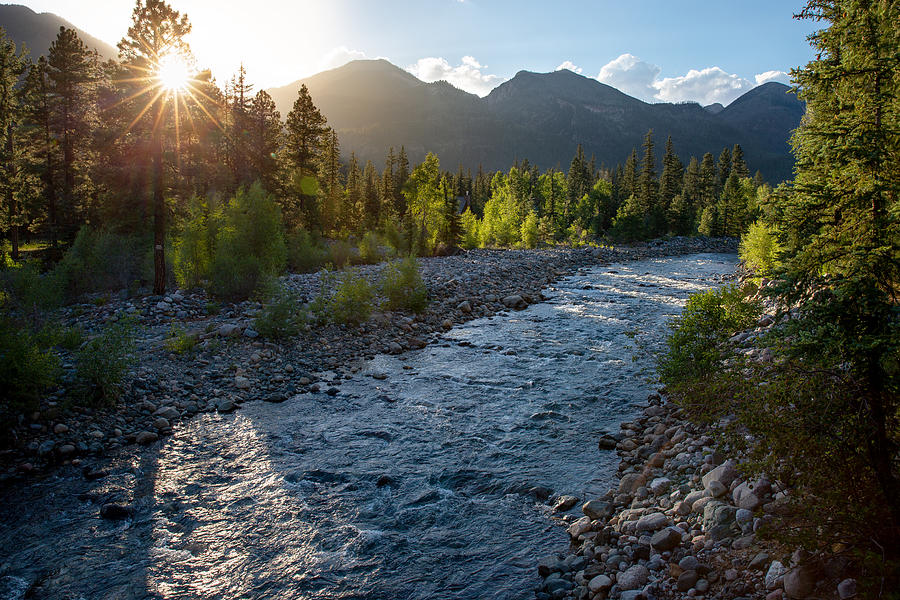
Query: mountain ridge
(39, 30)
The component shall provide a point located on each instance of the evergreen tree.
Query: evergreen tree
(239, 99)
(630, 179)
(264, 139)
(578, 181)
(42, 156)
(671, 179)
(304, 137)
(371, 213)
(648, 191)
(738, 164)
(330, 182)
(388, 199)
(723, 170)
(12, 66)
(352, 207)
(156, 31)
(72, 74)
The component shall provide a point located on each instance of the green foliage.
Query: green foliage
(103, 362)
(628, 224)
(27, 367)
(28, 291)
(370, 249)
(250, 244)
(403, 287)
(470, 228)
(351, 302)
(304, 254)
(193, 245)
(281, 316)
(101, 260)
(695, 345)
(54, 334)
(339, 253)
(759, 249)
(529, 233)
(178, 341)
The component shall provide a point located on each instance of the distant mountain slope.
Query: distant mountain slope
(539, 116)
(39, 30)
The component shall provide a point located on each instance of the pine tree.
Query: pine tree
(648, 191)
(630, 178)
(723, 170)
(371, 213)
(42, 156)
(12, 66)
(72, 74)
(156, 30)
(239, 99)
(264, 139)
(330, 182)
(738, 164)
(671, 179)
(352, 207)
(304, 138)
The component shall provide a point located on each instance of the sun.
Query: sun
(173, 73)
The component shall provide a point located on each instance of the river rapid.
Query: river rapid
(425, 475)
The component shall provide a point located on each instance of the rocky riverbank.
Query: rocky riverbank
(231, 365)
(683, 521)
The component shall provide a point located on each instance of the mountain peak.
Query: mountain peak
(38, 30)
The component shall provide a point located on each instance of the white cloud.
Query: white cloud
(570, 66)
(779, 76)
(468, 75)
(706, 86)
(641, 79)
(631, 75)
(339, 57)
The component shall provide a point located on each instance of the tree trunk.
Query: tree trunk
(11, 197)
(159, 218)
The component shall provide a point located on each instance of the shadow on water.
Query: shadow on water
(424, 477)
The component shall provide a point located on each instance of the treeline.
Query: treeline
(107, 145)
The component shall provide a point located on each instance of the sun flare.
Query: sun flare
(173, 72)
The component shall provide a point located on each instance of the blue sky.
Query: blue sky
(652, 49)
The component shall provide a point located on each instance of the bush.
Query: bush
(102, 260)
(30, 292)
(370, 249)
(304, 254)
(759, 249)
(26, 369)
(530, 233)
(194, 244)
(470, 227)
(103, 362)
(352, 300)
(249, 244)
(54, 334)
(339, 254)
(695, 344)
(281, 317)
(402, 286)
(178, 341)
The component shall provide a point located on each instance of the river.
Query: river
(424, 476)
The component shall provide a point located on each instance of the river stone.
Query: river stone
(660, 485)
(564, 503)
(597, 510)
(683, 508)
(66, 450)
(515, 301)
(666, 539)
(749, 494)
(775, 575)
(724, 474)
(582, 525)
(146, 437)
(550, 564)
(607, 442)
(652, 522)
(161, 423)
(686, 580)
(599, 583)
(694, 496)
(464, 307)
(758, 562)
(241, 383)
(225, 405)
(115, 512)
(634, 578)
(716, 489)
(847, 589)
(800, 581)
(228, 330)
(59, 428)
(630, 482)
(167, 412)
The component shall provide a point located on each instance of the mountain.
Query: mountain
(373, 105)
(715, 108)
(39, 30)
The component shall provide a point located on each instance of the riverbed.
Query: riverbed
(427, 474)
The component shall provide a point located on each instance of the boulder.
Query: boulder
(515, 302)
(800, 581)
(146, 437)
(660, 485)
(666, 539)
(634, 578)
(724, 474)
(686, 580)
(564, 503)
(600, 583)
(775, 575)
(579, 527)
(652, 522)
(597, 510)
(631, 482)
(847, 589)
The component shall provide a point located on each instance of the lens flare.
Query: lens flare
(173, 73)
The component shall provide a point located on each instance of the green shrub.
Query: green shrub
(102, 260)
(339, 254)
(695, 343)
(402, 286)
(470, 228)
(352, 300)
(281, 316)
(178, 341)
(530, 234)
(55, 334)
(26, 369)
(30, 292)
(759, 249)
(395, 238)
(103, 361)
(249, 244)
(370, 249)
(304, 254)
(194, 244)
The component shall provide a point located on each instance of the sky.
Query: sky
(655, 50)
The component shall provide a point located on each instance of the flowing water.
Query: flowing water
(422, 478)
